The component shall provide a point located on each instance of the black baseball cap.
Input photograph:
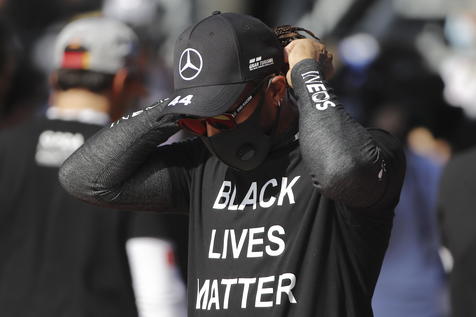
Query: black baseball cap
(215, 59)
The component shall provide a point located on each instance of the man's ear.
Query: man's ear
(277, 89)
(53, 80)
(119, 81)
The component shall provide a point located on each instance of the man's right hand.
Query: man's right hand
(301, 49)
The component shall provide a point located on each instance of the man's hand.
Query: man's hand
(301, 49)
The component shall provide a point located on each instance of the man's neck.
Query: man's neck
(81, 99)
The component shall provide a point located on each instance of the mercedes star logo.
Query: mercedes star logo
(190, 64)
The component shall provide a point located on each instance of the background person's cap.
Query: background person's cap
(215, 58)
(97, 44)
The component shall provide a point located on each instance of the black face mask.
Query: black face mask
(244, 147)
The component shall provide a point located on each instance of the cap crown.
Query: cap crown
(226, 48)
(97, 44)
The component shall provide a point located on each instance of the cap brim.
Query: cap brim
(207, 101)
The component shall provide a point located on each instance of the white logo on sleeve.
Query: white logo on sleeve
(190, 64)
(318, 90)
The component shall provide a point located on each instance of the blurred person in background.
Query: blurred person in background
(28, 19)
(59, 256)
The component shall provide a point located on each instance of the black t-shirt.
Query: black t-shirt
(267, 243)
(59, 256)
(457, 201)
(302, 235)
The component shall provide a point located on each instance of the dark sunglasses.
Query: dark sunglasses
(223, 121)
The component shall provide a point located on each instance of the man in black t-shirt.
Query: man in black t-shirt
(290, 200)
(59, 256)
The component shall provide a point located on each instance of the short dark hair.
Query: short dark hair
(86, 79)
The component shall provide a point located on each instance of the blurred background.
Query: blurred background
(414, 56)
(408, 66)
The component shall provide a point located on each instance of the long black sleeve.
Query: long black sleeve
(121, 165)
(347, 162)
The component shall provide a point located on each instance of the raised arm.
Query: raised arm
(359, 167)
(122, 167)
